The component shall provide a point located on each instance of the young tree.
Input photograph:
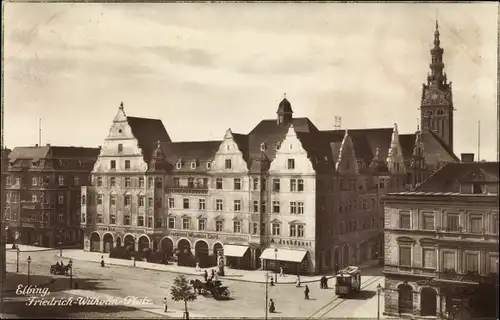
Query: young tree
(182, 291)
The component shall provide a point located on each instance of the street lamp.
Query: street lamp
(60, 248)
(276, 265)
(70, 265)
(379, 290)
(267, 278)
(29, 270)
(17, 261)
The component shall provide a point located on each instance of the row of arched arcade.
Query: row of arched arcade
(350, 254)
(182, 251)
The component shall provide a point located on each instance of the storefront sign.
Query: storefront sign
(209, 236)
(288, 242)
(194, 235)
(131, 230)
(106, 229)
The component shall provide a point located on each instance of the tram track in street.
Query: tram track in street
(332, 305)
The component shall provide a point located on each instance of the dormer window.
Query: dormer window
(178, 165)
(194, 164)
(478, 188)
(228, 164)
(209, 165)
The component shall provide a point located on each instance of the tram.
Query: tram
(348, 281)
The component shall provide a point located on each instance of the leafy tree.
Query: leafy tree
(182, 291)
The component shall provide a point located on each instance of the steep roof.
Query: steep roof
(201, 151)
(243, 145)
(270, 132)
(445, 179)
(284, 106)
(46, 152)
(148, 132)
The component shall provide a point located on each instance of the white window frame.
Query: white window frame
(237, 205)
(237, 227)
(171, 219)
(61, 180)
(171, 203)
(202, 205)
(201, 222)
(219, 223)
(188, 223)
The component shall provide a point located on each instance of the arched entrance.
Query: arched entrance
(428, 302)
(218, 249)
(108, 242)
(143, 243)
(185, 258)
(201, 253)
(345, 256)
(95, 242)
(118, 242)
(405, 299)
(257, 258)
(167, 247)
(129, 242)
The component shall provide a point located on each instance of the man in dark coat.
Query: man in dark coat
(306, 293)
(206, 275)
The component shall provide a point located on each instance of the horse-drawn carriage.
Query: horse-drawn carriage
(212, 287)
(59, 269)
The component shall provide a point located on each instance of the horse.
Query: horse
(199, 286)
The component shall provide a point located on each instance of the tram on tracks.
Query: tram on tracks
(348, 281)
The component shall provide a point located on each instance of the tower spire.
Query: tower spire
(437, 77)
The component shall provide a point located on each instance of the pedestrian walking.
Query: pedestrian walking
(272, 282)
(102, 261)
(325, 282)
(213, 273)
(297, 283)
(282, 274)
(206, 275)
(272, 307)
(198, 266)
(165, 304)
(306, 293)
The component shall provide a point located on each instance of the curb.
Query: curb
(41, 250)
(191, 274)
(52, 280)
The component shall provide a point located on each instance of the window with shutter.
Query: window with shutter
(471, 261)
(449, 260)
(429, 258)
(405, 256)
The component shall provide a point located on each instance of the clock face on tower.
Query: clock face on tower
(434, 96)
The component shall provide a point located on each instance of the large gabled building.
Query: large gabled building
(286, 193)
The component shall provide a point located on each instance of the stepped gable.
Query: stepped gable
(270, 132)
(188, 151)
(148, 132)
(445, 179)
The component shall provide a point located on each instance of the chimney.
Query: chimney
(36, 145)
(48, 144)
(100, 147)
(467, 157)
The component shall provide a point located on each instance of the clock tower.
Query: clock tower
(436, 110)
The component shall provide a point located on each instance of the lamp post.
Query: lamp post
(379, 290)
(60, 248)
(17, 261)
(267, 278)
(29, 270)
(276, 265)
(70, 264)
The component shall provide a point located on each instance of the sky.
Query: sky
(205, 67)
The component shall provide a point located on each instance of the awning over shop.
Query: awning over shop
(284, 255)
(234, 251)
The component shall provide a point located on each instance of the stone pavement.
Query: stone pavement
(256, 276)
(13, 280)
(148, 307)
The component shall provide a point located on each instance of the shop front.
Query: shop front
(237, 257)
(292, 261)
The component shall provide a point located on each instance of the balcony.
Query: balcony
(407, 270)
(201, 189)
(469, 277)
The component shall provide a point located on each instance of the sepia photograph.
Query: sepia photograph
(257, 160)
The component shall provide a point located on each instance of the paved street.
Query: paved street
(118, 282)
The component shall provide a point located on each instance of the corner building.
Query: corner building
(441, 241)
(285, 194)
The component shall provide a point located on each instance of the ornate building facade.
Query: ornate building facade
(286, 193)
(441, 243)
(43, 194)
